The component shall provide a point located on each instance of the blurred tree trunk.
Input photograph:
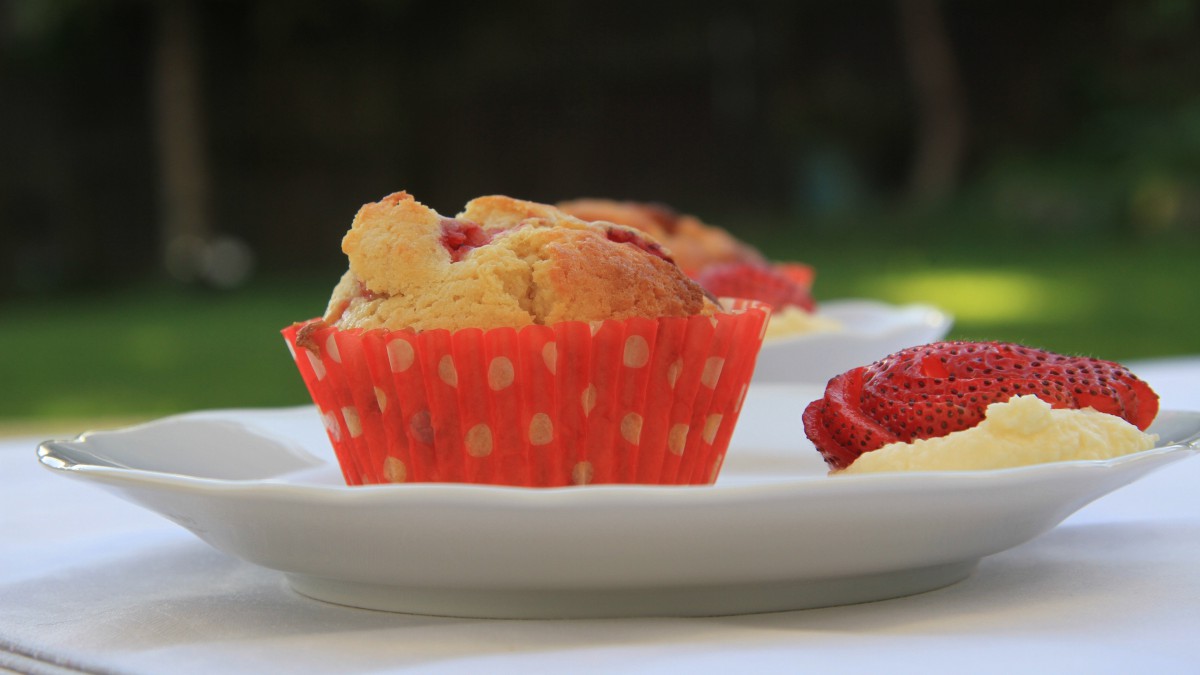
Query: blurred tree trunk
(184, 223)
(941, 109)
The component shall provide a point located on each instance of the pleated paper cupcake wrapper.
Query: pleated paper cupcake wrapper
(651, 401)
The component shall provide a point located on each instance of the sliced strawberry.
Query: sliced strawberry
(815, 428)
(1140, 401)
(936, 389)
(923, 416)
(756, 282)
(841, 424)
(948, 405)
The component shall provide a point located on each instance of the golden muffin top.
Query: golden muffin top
(502, 262)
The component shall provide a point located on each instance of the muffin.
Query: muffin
(721, 263)
(694, 244)
(517, 345)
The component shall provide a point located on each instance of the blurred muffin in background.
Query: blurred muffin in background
(693, 244)
(721, 263)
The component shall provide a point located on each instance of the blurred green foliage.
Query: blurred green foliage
(1080, 117)
(151, 350)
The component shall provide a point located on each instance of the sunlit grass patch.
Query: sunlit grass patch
(983, 296)
(148, 351)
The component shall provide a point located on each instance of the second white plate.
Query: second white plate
(870, 331)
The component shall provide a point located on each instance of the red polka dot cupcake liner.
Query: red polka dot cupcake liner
(650, 401)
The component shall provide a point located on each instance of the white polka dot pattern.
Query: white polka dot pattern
(479, 441)
(711, 425)
(501, 373)
(582, 473)
(712, 371)
(637, 352)
(317, 365)
(588, 399)
(716, 468)
(677, 438)
(400, 355)
(330, 422)
(631, 428)
(394, 470)
(479, 405)
(741, 398)
(673, 373)
(353, 424)
(447, 372)
(541, 429)
(331, 348)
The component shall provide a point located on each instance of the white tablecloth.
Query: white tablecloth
(91, 583)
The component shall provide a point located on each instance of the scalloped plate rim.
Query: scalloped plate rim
(609, 551)
(50, 455)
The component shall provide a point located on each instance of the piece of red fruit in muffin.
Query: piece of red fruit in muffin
(628, 235)
(460, 237)
(936, 389)
(765, 283)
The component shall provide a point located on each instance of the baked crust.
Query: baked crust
(694, 244)
(502, 262)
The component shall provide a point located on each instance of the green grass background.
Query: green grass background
(144, 351)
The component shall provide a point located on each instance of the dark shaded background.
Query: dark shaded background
(1081, 117)
(176, 175)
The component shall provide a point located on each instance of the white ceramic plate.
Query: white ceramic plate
(870, 331)
(775, 533)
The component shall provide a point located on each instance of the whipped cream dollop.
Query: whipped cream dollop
(793, 321)
(1023, 430)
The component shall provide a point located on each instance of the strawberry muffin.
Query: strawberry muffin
(967, 405)
(721, 263)
(694, 244)
(514, 344)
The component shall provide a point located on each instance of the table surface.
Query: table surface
(90, 583)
